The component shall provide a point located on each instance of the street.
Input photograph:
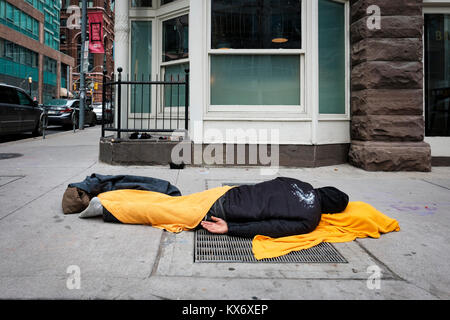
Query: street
(20, 136)
(45, 254)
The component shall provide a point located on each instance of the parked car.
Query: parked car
(18, 112)
(65, 112)
(108, 112)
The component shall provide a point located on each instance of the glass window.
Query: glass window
(141, 68)
(175, 38)
(90, 3)
(2, 9)
(17, 16)
(437, 74)
(174, 95)
(255, 80)
(256, 24)
(9, 50)
(163, 2)
(8, 95)
(9, 12)
(23, 99)
(331, 57)
(141, 3)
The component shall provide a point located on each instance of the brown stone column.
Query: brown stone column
(387, 127)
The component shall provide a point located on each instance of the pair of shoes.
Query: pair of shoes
(94, 209)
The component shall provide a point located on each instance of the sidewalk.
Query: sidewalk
(40, 247)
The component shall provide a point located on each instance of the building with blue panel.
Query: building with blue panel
(29, 48)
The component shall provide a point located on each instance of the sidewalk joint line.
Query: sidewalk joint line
(434, 184)
(43, 194)
(158, 254)
(379, 262)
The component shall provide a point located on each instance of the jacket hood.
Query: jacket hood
(332, 199)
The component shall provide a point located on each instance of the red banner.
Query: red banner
(96, 32)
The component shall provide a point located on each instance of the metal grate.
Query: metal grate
(223, 248)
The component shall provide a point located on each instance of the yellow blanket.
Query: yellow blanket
(159, 210)
(359, 220)
(176, 214)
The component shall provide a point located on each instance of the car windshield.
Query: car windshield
(56, 102)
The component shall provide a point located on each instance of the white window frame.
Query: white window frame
(139, 115)
(162, 65)
(156, 15)
(265, 111)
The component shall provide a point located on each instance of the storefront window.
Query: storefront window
(256, 24)
(332, 73)
(255, 80)
(141, 69)
(437, 74)
(141, 3)
(175, 38)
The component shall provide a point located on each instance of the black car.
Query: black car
(65, 112)
(18, 112)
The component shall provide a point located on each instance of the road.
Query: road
(17, 137)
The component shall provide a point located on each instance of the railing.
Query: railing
(141, 106)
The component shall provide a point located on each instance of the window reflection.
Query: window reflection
(437, 74)
(141, 3)
(256, 24)
(255, 80)
(175, 38)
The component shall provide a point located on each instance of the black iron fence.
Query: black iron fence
(144, 105)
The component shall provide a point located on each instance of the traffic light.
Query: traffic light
(74, 86)
(95, 85)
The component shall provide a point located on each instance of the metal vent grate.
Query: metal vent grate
(223, 248)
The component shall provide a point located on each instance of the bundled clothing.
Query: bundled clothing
(275, 208)
(77, 195)
(281, 215)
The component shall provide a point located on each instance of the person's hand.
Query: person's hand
(219, 226)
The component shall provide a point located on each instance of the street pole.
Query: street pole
(84, 53)
(30, 81)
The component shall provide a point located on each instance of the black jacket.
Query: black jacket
(276, 208)
(98, 183)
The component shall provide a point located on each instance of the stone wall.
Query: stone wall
(387, 127)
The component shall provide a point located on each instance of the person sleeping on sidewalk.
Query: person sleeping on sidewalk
(277, 208)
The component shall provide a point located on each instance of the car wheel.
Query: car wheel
(39, 127)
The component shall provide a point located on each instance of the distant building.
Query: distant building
(29, 48)
(70, 40)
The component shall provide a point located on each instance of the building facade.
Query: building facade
(326, 81)
(71, 43)
(29, 48)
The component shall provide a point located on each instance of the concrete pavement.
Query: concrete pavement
(42, 250)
